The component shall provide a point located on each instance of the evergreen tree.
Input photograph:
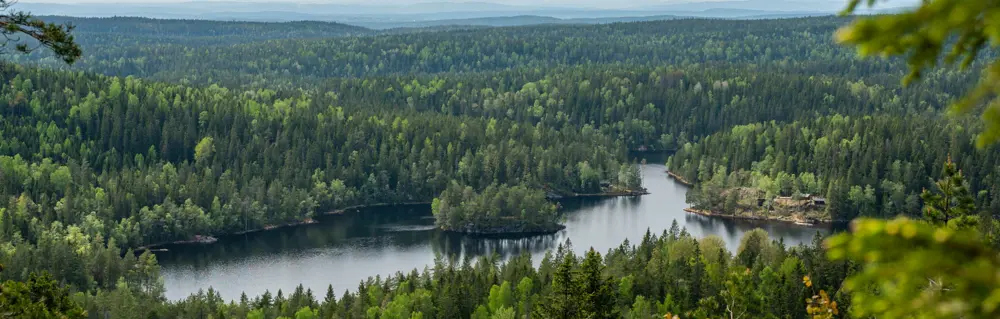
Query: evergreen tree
(598, 290)
(565, 301)
(950, 203)
(920, 33)
(58, 38)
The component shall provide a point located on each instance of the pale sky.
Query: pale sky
(395, 2)
(780, 5)
(598, 3)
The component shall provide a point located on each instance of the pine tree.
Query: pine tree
(329, 307)
(598, 293)
(57, 38)
(565, 299)
(951, 203)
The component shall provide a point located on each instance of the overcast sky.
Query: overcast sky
(394, 2)
(560, 3)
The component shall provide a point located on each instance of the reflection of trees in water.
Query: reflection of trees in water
(353, 229)
(256, 244)
(585, 204)
(730, 230)
(652, 157)
(456, 247)
(725, 228)
(372, 229)
(575, 204)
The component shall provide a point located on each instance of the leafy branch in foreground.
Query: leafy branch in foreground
(923, 35)
(916, 270)
(56, 37)
(38, 297)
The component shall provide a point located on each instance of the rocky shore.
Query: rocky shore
(793, 219)
(679, 178)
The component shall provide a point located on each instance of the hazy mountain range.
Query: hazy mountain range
(438, 13)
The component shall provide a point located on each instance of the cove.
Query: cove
(342, 250)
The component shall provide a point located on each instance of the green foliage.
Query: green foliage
(924, 33)
(630, 177)
(566, 297)
(57, 38)
(504, 313)
(941, 273)
(501, 297)
(950, 204)
(753, 245)
(158, 174)
(306, 313)
(738, 296)
(203, 150)
(38, 297)
(497, 209)
(865, 166)
(599, 298)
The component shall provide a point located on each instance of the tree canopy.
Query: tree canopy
(956, 30)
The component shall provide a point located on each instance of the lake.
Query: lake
(343, 250)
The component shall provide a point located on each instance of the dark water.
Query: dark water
(345, 249)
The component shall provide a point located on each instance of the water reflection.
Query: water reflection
(456, 247)
(342, 250)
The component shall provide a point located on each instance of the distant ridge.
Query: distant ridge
(510, 21)
(443, 13)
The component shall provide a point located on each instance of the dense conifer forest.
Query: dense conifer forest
(174, 130)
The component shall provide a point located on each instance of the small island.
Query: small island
(497, 210)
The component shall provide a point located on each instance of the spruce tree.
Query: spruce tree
(564, 301)
(951, 202)
(598, 293)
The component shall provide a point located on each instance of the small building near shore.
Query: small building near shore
(818, 201)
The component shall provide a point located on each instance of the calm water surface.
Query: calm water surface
(343, 250)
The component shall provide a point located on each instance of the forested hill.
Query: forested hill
(207, 28)
(92, 31)
(167, 130)
(791, 42)
(651, 84)
(509, 21)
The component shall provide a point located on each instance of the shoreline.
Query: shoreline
(344, 210)
(211, 239)
(307, 221)
(680, 179)
(631, 193)
(775, 219)
(505, 234)
(781, 219)
(612, 194)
